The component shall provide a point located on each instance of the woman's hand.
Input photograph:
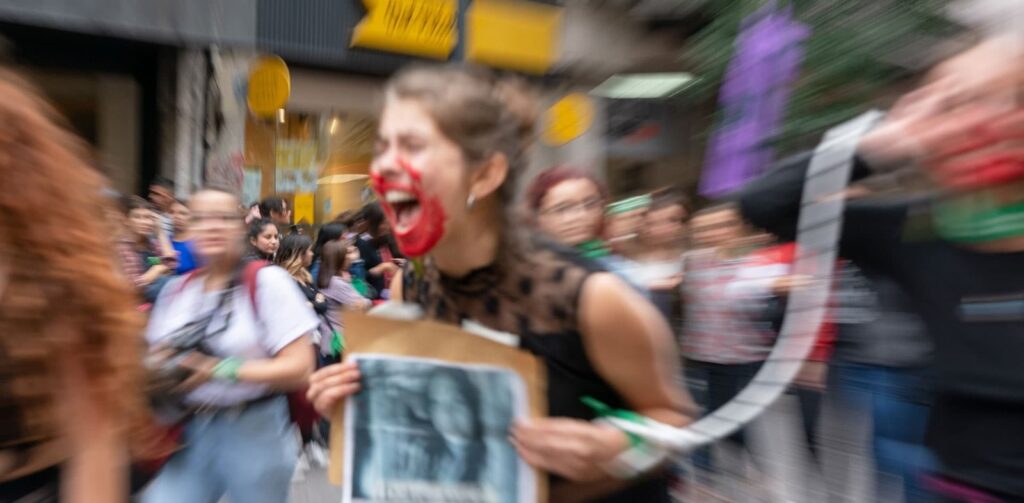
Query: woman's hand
(385, 268)
(332, 384)
(572, 448)
(200, 367)
(153, 273)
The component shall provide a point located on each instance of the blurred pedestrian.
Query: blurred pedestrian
(161, 195)
(264, 240)
(182, 242)
(335, 282)
(963, 269)
(567, 205)
(657, 265)
(662, 237)
(879, 394)
(276, 209)
(623, 221)
(71, 401)
(226, 341)
(295, 255)
(378, 250)
(151, 266)
(725, 339)
(331, 231)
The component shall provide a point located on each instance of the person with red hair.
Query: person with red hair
(72, 408)
(567, 204)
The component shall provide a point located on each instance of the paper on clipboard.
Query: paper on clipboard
(432, 419)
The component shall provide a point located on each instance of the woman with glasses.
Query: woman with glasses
(236, 337)
(567, 205)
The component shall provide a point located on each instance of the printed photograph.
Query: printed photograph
(426, 430)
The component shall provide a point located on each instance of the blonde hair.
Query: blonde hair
(290, 256)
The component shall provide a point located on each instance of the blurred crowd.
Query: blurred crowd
(915, 371)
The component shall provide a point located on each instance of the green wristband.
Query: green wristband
(227, 369)
(602, 410)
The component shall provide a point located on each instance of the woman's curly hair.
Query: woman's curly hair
(62, 295)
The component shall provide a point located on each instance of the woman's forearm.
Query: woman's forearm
(289, 369)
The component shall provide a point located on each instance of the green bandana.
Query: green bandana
(977, 218)
(630, 204)
(593, 249)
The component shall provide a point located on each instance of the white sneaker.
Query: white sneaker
(301, 468)
(318, 455)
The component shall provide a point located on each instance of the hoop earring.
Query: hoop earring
(470, 201)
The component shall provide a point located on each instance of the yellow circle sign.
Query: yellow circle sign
(568, 119)
(269, 86)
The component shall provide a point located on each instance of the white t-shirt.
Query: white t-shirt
(284, 316)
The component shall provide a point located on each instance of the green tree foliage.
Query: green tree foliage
(849, 58)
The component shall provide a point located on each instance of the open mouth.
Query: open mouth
(405, 207)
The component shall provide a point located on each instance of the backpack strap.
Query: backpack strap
(248, 279)
(249, 273)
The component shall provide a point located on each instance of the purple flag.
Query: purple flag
(753, 100)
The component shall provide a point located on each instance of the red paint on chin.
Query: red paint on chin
(420, 237)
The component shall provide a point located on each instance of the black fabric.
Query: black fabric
(38, 487)
(315, 298)
(972, 304)
(875, 321)
(369, 251)
(535, 295)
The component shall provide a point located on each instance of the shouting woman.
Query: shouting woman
(450, 145)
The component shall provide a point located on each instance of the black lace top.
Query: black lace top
(535, 295)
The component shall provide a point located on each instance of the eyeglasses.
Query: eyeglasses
(214, 218)
(567, 208)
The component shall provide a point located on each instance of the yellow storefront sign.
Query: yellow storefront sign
(417, 27)
(304, 208)
(567, 119)
(511, 34)
(269, 86)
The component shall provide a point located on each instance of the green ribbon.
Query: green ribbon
(603, 410)
(593, 249)
(361, 286)
(977, 218)
(337, 343)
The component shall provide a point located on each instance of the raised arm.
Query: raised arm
(871, 230)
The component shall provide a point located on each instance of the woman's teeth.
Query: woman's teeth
(399, 196)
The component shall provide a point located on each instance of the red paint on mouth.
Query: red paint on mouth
(417, 225)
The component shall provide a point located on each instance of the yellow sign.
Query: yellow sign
(269, 86)
(418, 27)
(516, 35)
(304, 208)
(567, 119)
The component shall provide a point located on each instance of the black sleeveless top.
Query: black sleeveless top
(534, 294)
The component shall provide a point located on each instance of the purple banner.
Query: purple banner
(753, 100)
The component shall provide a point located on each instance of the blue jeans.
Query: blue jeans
(249, 457)
(897, 401)
(712, 385)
